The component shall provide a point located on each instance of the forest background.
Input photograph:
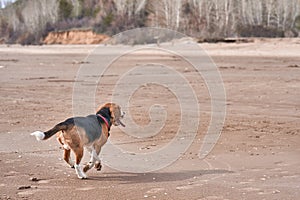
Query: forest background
(29, 21)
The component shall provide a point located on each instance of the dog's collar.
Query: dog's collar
(105, 121)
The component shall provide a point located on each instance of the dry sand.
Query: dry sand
(256, 157)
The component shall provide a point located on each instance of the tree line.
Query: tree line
(230, 18)
(26, 21)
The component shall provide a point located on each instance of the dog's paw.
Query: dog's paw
(86, 168)
(82, 177)
(98, 166)
(79, 172)
(71, 164)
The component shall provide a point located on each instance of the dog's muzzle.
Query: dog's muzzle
(119, 121)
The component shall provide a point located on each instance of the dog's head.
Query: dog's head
(113, 111)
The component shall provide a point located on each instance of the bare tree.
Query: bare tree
(172, 12)
(130, 7)
(4, 3)
(201, 18)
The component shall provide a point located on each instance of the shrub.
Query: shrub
(65, 9)
(297, 23)
(259, 31)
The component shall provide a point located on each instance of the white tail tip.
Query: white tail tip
(38, 135)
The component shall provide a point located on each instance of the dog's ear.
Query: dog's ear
(115, 112)
(112, 109)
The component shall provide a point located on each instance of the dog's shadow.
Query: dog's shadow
(132, 178)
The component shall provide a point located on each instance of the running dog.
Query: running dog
(90, 132)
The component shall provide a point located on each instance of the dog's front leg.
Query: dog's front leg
(92, 161)
(98, 165)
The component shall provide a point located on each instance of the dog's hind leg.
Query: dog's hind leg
(67, 150)
(78, 156)
(67, 158)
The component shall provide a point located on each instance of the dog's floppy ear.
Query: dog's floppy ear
(112, 110)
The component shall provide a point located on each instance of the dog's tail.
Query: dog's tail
(58, 127)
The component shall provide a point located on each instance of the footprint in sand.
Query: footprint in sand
(86, 188)
(155, 190)
(187, 187)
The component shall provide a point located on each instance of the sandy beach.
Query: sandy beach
(256, 157)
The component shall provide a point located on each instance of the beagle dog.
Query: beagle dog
(90, 132)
